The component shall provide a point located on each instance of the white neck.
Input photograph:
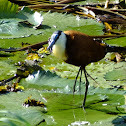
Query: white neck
(60, 47)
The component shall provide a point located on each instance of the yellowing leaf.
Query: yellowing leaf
(43, 50)
(19, 87)
(108, 27)
(3, 89)
(32, 56)
(51, 68)
(33, 102)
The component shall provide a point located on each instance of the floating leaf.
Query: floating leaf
(13, 108)
(33, 17)
(11, 88)
(33, 56)
(21, 24)
(20, 87)
(43, 50)
(7, 9)
(46, 78)
(18, 27)
(114, 75)
(6, 69)
(3, 89)
(16, 118)
(32, 102)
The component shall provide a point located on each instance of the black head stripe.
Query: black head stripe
(58, 34)
(54, 37)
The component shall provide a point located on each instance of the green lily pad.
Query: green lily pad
(57, 21)
(44, 79)
(7, 9)
(12, 109)
(25, 22)
(117, 41)
(114, 75)
(9, 72)
(58, 99)
(21, 24)
(33, 17)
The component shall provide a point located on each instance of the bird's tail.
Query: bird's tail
(116, 49)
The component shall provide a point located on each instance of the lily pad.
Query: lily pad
(33, 17)
(57, 21)
(114, 75)
(12, 108)
(58, 99)
(7, 9)
(6, 69)
(22, 23)
(42, 79)
(117, 41)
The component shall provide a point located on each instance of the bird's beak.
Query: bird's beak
(51, 43)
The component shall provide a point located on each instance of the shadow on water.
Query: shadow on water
(26, 24)
(44, 27)
(5, 55)
(119, 121)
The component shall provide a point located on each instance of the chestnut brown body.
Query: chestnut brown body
(81, 49)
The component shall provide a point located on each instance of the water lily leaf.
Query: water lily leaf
(46, 78)
(63, 85)
(7, 69)
(32, 102)
(32, 56)
(62, 105)
(21, 24)
(114, 75)
(7, 9)
(12, 105)
(33, 17)
(97, 70)
(63, 22)
(57, 99)
(117, 42)
(10, 121)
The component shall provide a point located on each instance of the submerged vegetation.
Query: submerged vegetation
(37, 88)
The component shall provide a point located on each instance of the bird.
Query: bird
(79, 49)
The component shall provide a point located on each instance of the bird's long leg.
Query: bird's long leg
(80, 82)
(86, 89)
(76, 80)
(92, 78)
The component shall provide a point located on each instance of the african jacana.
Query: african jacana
(78, 49)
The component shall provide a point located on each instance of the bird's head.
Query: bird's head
(57, 44)
(56, 38)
